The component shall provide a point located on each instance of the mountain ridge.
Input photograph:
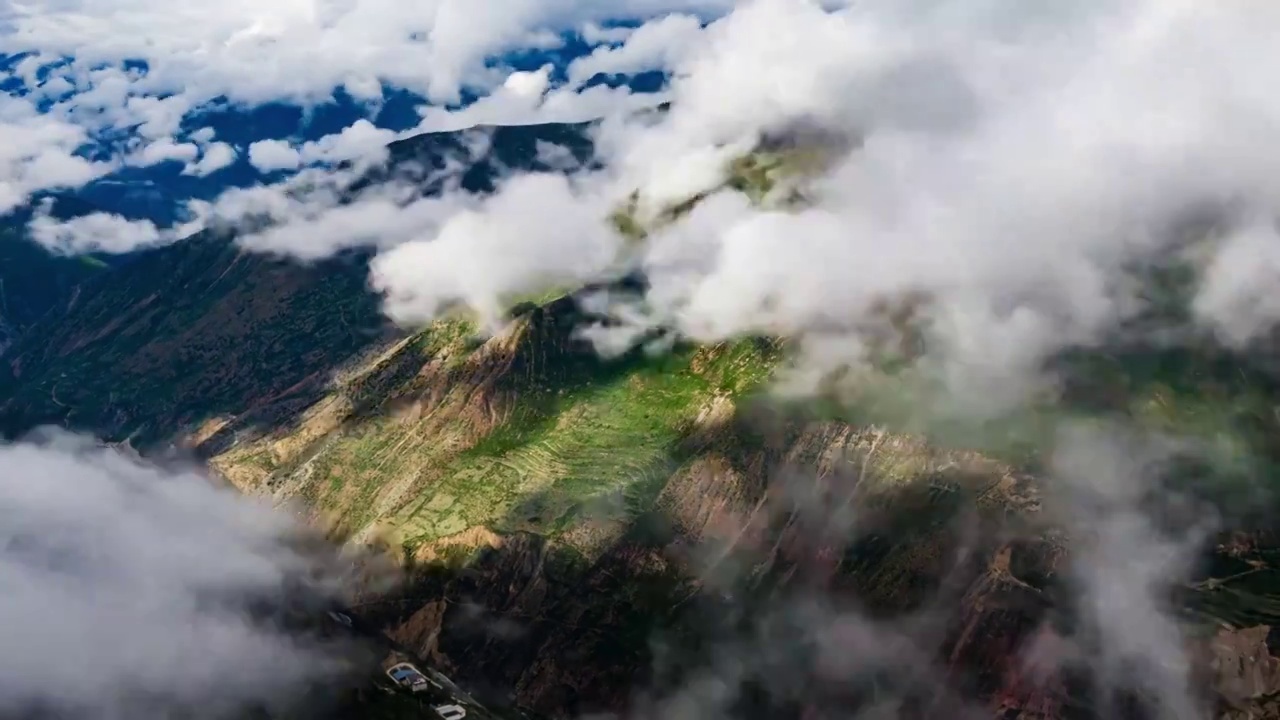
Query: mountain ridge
(596, 504)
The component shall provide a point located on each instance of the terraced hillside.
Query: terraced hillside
(580, 527)
(531, 425)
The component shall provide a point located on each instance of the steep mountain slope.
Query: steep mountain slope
(202, 329)
(561, 511)
(593, 504)
(32, 281)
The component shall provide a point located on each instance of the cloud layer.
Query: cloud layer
(127, 589)
(303, 49)
(1005, 174)
(1010, 168)
(131, 79)
(1013, 166)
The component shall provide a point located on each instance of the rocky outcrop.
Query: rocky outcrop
(739, 534)
(915, 583)
(1244, 670)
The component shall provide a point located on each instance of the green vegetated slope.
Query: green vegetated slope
(531, 431)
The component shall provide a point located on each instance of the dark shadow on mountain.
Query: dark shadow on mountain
(33, 280)
(191, 332)
(666, 613)
(668, 604)
(202, 330)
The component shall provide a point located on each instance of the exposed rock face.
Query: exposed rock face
(736, 545)
(1245, 671)
(963, 617)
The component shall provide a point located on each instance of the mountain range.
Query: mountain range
(578, 527)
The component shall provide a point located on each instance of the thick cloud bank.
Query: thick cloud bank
(125, 589)
(1004, 175)
(1007, 171)
(1011, 171)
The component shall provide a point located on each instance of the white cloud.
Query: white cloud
(250, 53)
(38, 153)
(54, 88)
(516, 101)
(163, 150)
(528, 84)
(595, 34)
(203, 136)
(310, 229)
(155, 117)
(302, 49)
(213, 157)
(103, 232)
(1013, 165)
(272, 155)
(315, 212)
(1107, 493)
(527, 98)
(655, 45)
(126, 589)
(94, 232)
(1013, 162)
(362, 141)
(538, 232)
(1237, 295)
(1013, 158)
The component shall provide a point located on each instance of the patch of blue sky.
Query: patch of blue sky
(158, 192)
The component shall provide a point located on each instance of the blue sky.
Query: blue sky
(156, 190)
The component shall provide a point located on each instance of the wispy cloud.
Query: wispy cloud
(139, 73)
(39, 153)
(130, 590)
(303, 49)
(1012, 165)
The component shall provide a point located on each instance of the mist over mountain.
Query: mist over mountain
(672, 359)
